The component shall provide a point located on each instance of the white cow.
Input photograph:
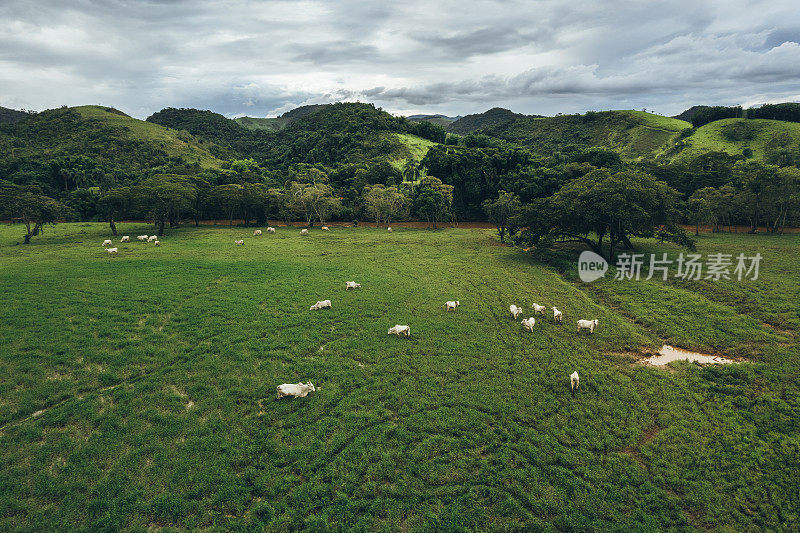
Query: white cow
(558, 316)
(152, 238)
(587, 324)
(528, 323)
(322, 304)
(303, 231)
(142, 238)
(325, 228)
(389, 230)
(351, 285)
(538, 309)
(240, 242)
(107, 242)
(158, 243)
(574, 381)
(256, 233)
(515, 311)
(270, 230)
(111, 250)
(451, 305)
(297, 390)
(400, 330)
(125, 238)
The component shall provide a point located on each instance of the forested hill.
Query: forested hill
(479, 121)
(79, 143)
(11, 116)
(331, 135)
(634, 134)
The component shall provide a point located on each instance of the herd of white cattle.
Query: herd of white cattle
(127, 238)
(301, 390)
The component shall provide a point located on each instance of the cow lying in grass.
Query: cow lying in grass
(322, 304)
(297, 390)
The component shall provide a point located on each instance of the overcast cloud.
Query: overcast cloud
(451, 57)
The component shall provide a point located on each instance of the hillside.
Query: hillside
(689, 113)
(441, 120)
(756, 138)
(11, 116)
(635, 134)
(266, 124)
(278, 123)
(106, 137)
(493, 117)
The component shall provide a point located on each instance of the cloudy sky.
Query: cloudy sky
(452, 57)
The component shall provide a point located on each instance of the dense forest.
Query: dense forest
(351, 161)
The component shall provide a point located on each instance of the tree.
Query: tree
(114, 203)
(704, 207)
(313, 200)
(165, 198)
(27, 203)
(600, 206)
(754, 179)
(432, 200)
(384, 203)
(500, 210)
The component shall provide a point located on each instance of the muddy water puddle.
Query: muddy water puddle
(667, 354)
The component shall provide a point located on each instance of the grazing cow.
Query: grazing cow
(125, 238)
(400, 330)
(322, 304)
(528, 323)
(240, 242)
(152, 238)
(451, 305)
(303, 231)
(111, 250)
(158, 243)
(587, 324)
(142, 238)
(558, 316)
(538, 309)
(351, 285)
(107, 242)
(574, 381)
(389, 230)
(515, 311)
(296, 390)
(325, 228)
(256, 233)
(270, 230)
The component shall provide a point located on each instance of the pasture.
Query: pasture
(137, 391)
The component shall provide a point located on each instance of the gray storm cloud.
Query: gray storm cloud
(262, 58)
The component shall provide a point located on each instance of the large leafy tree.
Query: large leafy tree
(604, 210)
(114, 203)
(433, 200)
(501, 210)
(165, 198)
(27, 203)
(384, 203)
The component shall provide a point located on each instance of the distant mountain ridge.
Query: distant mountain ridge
(12, 116)
(493, 117)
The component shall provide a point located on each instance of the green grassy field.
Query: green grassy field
(734, 135)
(137, 391)
(415, 149)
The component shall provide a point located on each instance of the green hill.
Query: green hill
(756, 138)
(634, 134)
(493, 117)
(104, 138)
(441, 120)
(11, 116)
(267, 124)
